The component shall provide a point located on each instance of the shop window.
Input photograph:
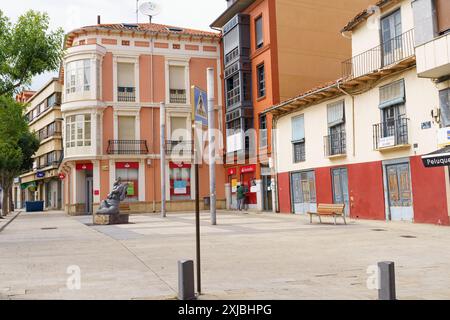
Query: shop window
(180, 181)
(129, 173)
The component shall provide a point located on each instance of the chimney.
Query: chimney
(98, 19)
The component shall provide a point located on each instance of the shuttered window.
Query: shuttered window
(127, 126)
(443, 15)
(176, 78)
(392, 94)
(336, 113)
(298, 128)
(125, 75)
(178, 128)
(444, 97)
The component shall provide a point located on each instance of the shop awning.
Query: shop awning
(439, 158)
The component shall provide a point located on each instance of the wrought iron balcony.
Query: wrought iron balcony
(127, 147)
(178, 96)
(382, 56)
(390, 134)
(179, 148)
(126, 94)
(335, 144)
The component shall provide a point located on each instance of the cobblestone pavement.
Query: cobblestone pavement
(247, 256)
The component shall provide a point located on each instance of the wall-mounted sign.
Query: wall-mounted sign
(96, 192)
(231, 171)
(105, 168)
(426, 125)
(40, 175)
(234, 183)
(62, 176)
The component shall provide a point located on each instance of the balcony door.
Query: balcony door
(127, 143)
(391, 31)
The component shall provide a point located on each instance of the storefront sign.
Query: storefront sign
(40, 175)
(62, 176)
(127, 165)
(248, 169)
(437, 159)
(84, 166)
(179, 165)
(231, 171)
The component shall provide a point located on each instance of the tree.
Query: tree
(27, 48)
(17, 146)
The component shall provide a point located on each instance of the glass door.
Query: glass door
(391, 31)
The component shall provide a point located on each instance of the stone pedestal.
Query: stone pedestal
(105, 219)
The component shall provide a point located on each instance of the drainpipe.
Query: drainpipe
(353, 114)
(275, 201)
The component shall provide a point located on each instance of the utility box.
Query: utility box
(34, 206)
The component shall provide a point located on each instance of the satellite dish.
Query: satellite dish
(150, 9)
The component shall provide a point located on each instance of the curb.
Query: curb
(12, 219)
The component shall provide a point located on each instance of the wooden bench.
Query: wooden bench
(329, 210)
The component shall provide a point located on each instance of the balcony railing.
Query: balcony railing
(127, 147)
(384, 55)
(178, 96)
(179, 148)
(335, 144)
(126, 94)
(44, 135)
(390, 133)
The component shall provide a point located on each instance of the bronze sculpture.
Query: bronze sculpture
(110, 206)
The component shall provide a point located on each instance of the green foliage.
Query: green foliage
(27, 48)
(17, 144)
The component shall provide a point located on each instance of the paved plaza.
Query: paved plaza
(247, 256)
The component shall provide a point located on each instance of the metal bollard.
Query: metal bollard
(387, 281)
(186, 289)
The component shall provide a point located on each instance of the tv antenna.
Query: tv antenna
(150, 9)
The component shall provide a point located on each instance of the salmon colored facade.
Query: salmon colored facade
(284, 48)
(115, 77)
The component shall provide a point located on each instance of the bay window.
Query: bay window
(78, 131)
(78, 76)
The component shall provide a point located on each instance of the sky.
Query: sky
(72, 14)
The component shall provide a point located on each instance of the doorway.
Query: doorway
(267, 193)
(89, 195)
(340, 188)
(399, 193)
(303, 192)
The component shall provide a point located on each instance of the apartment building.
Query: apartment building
(364, 139)
(115, 77)
(272, 49)
(43, 113)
